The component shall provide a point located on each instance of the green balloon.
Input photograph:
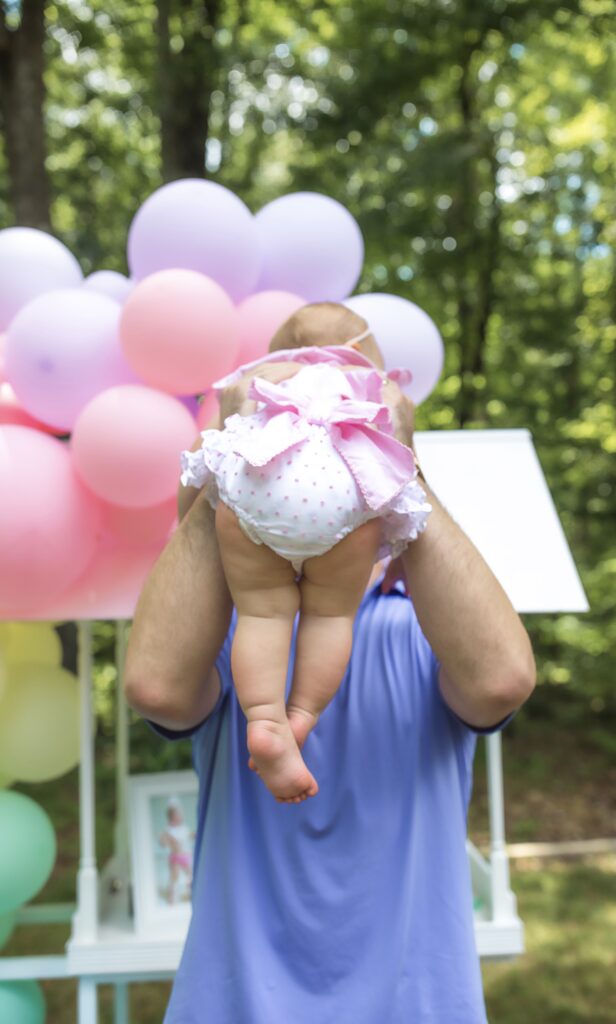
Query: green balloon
(27, 850)
(22, 1002)
(7, 923)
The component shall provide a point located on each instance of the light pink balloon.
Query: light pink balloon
(126, 445)
(49, 522)
(140, 526)
(2, 358)
(260, 316)
(208, 408)
(179, 331)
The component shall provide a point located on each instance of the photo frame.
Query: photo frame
(162, 826)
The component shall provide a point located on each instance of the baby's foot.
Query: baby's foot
(278, 762)
(302, 722)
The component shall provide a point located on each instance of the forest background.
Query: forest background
(475, 143)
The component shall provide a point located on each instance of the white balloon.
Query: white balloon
(32, 262)
(109, 282)
(407, 337)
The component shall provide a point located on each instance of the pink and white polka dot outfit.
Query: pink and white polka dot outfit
(315, 461)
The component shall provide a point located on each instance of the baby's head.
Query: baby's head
(326, 323)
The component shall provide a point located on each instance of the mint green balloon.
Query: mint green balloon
(7, 924)
(22, 1002)
(27, 850)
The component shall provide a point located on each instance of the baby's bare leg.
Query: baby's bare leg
(264, 591)
(332, 587)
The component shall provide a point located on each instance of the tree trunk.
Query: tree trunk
(476, 295)
(186, 75)
(22, 94)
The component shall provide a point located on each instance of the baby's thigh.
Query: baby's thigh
(334, 583)
(248, 566)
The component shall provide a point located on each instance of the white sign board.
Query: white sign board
(492, 484)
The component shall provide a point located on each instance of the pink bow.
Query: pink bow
(381, 466)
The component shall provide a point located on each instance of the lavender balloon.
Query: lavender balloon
(407, 337)
(61, 350)
(311, 245)
(196, 225)
(110, 283)
(32, 262)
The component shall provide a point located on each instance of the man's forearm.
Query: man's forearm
(180, 623)
(473, 629)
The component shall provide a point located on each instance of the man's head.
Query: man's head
(326, 323)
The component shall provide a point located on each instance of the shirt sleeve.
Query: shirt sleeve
(223, 666)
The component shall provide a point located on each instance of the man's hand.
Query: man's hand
(402, 412)
(234, 399)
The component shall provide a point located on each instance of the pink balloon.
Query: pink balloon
(110, 586)
(62, 349)
(49, 522)
(140, 526)
(260, 316)
(12, 412)
(126, 445)
(208, 408)
(179, 331)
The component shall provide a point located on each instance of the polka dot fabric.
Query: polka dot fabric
(303, 502)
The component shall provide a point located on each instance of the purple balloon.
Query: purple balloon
(311, 246)
(32, 262)
(191, 402)
(110, 283)
(61, 350)
(407, 337)
(196, 225)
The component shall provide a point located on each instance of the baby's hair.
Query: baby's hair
(320, 323)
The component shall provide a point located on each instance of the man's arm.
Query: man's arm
(487, 664)
(180, 623)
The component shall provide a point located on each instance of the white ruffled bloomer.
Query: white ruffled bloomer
(304, 500)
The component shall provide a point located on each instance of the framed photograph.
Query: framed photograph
(163, 823)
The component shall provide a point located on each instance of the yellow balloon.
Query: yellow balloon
(5, 781)
(3, 673)
(35, 642)
(39, 723)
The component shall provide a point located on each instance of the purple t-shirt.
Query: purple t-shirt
(355, 906)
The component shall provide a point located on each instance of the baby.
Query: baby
(310, 489)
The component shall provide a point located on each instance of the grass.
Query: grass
(568, 974)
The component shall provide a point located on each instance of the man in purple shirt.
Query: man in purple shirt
(355, 906)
